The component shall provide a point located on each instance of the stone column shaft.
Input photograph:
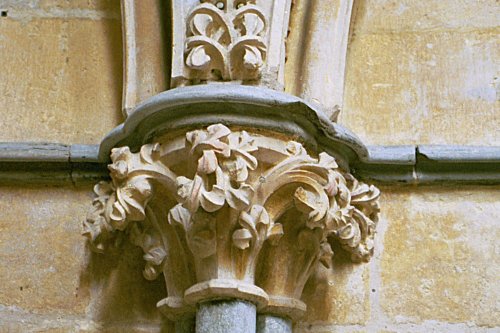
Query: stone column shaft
(267, 323)
(230, 316)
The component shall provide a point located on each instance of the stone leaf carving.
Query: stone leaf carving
(223, 206)
(226, 40)
(151, 243)
(256, 227)
(225, 160)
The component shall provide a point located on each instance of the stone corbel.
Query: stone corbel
(225, 212)
(229, 214)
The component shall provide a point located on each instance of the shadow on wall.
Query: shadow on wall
(121, 299)
(337, 294)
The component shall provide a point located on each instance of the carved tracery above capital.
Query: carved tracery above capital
(229, 40)
(232, 214)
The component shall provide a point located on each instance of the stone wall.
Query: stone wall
(61, 70)
(423, 72)
(417, 72)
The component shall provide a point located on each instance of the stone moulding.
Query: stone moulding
(51, 163)
(235, 105)
(232, 214)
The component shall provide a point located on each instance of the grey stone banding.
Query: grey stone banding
(30, 163)
(49, 164)
(227, 316)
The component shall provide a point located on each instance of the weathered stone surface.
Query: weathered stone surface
(50, 279)
(119, 293)
(408, 15)
(440, 259)
(339, 295)
(330, 329)
(41, 253)
(423, 73)
(97, 5)
(62, 325)
(112, 6)
(60, 79)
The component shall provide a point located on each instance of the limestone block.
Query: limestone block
(65, 326)
(441, 255)
(409, 15)
(331, 329)
(41, 253)
(119, 293)
(50, 279)
(110, 6)
(430, 87)
(60, 79)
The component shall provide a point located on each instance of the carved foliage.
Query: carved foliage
(224, 173)
(336, 201)
(224, 160)
(226, 40)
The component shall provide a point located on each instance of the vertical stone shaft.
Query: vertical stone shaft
(146, 58)
(226, 317)
(267, 323)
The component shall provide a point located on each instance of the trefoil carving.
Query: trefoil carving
(226, 40)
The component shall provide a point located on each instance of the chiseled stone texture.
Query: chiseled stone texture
(441, 255)
(61, 70)
(424, 72)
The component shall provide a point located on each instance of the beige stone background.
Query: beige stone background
(418, 72)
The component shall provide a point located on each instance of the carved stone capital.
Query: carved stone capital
(230, 214)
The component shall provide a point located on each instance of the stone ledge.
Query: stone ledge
(47, 163)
